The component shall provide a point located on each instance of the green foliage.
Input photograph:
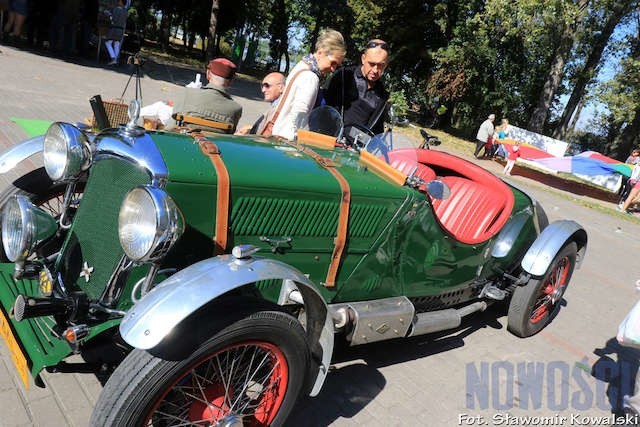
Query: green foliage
(473, 56)
(399, 102)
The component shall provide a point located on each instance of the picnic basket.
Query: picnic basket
(116, 110)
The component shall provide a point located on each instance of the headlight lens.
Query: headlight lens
(66, 152)
(24, 226)
(149, 223)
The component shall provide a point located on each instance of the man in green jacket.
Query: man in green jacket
(212, 102)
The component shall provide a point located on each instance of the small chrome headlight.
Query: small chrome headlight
(66, 151)
(149, 224)
(24, 225)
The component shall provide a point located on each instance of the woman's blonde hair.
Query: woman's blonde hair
(331, 42)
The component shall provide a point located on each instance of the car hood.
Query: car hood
(274, 165)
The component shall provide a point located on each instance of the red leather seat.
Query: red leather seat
(407, 164)
(472, 214)
(480, 203)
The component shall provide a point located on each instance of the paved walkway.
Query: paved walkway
(478, 370)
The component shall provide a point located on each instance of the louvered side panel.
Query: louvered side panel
(270, 217)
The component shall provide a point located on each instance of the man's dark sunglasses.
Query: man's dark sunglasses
(383, 45)
(268, 85)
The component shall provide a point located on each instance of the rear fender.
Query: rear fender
(172, 301)
(10, 158)
(541, 253)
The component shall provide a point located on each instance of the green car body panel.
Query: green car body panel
(395, 244)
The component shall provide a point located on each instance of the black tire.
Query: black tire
(41, 191)
(534, 305)
(144, 388)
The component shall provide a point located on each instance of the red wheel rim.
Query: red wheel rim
(247, 380)
(551, 291)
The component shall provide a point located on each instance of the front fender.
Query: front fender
(150, 320)
(541, 253)
(10, 158)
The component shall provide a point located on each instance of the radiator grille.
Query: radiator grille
(94, 235)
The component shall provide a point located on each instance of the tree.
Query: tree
(570, 16)
(613, 13)
(213, 23)
(621, 96)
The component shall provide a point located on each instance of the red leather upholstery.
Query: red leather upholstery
(480, 203)
(472, 212)
(406, 164)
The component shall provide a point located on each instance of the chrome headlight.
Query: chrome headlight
(149, 224)
(24, 225)
(66, 151)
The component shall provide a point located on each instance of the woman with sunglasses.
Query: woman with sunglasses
(303, 82)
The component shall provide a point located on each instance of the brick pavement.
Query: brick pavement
(416, 382)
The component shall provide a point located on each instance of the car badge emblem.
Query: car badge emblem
(86, 272)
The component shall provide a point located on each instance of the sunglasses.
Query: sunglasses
(383, 45)
(266, 85)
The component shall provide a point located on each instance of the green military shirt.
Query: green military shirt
(211, 103)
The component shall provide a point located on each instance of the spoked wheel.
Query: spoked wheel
(533, 305)
(44, 193)
(248, 374)
(243, 382)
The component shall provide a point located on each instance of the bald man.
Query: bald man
(272, 87)
(358, 92)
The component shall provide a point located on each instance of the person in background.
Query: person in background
(18, 10)
(303, 83)
(634, 157)
(513, 155)
(504, 129)
(272, 87)
(213, 101)
(484, 135)
(627, 185)
(116, 32)
(500, 132)
(358, 92)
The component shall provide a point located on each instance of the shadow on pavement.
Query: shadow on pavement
(349, 388)
(619, 374)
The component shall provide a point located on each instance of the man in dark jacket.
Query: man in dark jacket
(358, 92)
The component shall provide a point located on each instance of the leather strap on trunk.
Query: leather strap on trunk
(343, 221)
(211, 150)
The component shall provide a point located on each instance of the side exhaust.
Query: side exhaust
(435, 321)
(388, 318)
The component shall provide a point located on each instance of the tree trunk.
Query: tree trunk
(576, 116)
(540, 112)
(213, 23)
(286, 59)
(620, 8)
(623, 145)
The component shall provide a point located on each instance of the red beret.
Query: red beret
(222, 67)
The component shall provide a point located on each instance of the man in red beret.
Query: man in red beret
(212, 102)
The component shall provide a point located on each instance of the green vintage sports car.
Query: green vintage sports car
(206, 276)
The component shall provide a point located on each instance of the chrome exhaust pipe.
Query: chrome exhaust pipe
(441, 320)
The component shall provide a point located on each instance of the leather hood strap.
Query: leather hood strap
(211, 150)
(340, 240)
